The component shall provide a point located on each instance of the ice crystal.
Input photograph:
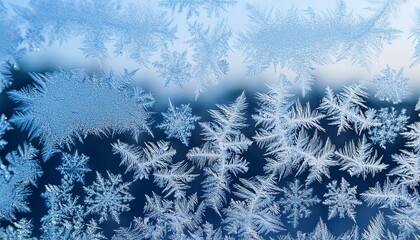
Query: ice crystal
(207, 231)
(302, 154)
(388, 123)
(233, 193)
(413, 136)
(20, 170)
(178, 122)
(283, 120)
(108, 197)
(408, 161)
(74, 167)
(279, 115)
(391, 86)
(417, 107)
(174, 68)
(66, 217)
(155, 156)
(175, 180)
(341, 200)
(361, 159)
(165, 219)
(404, 204)
(320, 232)
(21, 230)
(257, 214)
(375, 230)
(221, 152)
(408, 168)
(345, 108)
(296, 202)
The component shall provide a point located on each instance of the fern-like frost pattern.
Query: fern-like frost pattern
(268, 149)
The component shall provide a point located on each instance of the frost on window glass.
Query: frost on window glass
(209, 119)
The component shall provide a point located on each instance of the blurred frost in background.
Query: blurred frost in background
(192, 47)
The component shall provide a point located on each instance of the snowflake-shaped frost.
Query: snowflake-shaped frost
(65, 216)
(178, 122)
(391, 86)
(21, 170)
(282, 122)
(174, 68)
(296, 202)
(221, 153)
(341, 200)
(108, 197)
(74, 167)
(388, 124)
